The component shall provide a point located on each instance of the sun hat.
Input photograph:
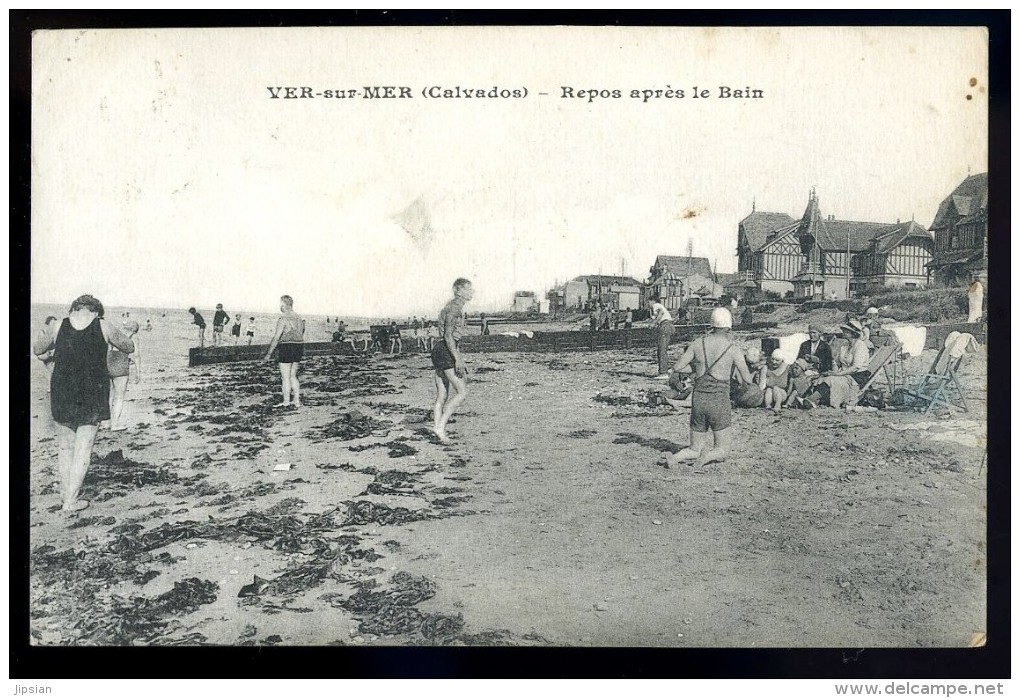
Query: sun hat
(872, 311)
(854, 325)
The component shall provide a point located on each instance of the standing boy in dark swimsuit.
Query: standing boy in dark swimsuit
(451, 388)
(714, 357)
(199, 321)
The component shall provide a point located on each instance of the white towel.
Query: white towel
(790, 345)
(912, 337)
(959, 342)
(528, 333)
(509, 334)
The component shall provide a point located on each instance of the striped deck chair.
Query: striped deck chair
(939, 387)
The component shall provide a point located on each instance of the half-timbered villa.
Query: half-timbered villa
(820, 256)
(961, 234)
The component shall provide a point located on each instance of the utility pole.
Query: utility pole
(848, 262)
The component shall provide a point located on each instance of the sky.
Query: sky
(165, 175)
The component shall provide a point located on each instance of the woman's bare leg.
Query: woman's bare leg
(117, 393)
(65, 455)
(84, 439)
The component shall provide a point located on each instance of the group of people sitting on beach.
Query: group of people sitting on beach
(829, 370)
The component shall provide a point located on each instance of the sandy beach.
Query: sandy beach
(217, 519)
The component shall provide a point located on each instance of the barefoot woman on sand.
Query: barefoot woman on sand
(290, 336)
(451, 388)
(80, 389)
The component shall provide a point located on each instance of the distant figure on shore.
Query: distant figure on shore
(485, 324)
(975, 297)
(663, 322)
(118, 364)
(250, 331)
(420, 341)
(290, 337)
(450, 371)
(593, 319)
(46, 336)
(396, 346)
(148, 326)
(433, 334)
(235, 329)
(628, 319)
(714, 358)
(220, 320)
(80, 389)
(199, 321)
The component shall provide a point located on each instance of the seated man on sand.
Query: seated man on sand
(816, 351)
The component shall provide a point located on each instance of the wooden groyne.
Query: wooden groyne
(540, 342)
(548, 342)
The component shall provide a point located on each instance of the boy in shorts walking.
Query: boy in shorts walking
(450, 371)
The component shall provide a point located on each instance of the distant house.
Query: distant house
(675, 279)
(622, 292)
(820, 256)
(524, 302)
(961, 234)
(763, 259)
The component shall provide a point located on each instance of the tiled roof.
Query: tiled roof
(968, 199)
(607, 279)
(893, 235)
(684, 266)
(759, 224)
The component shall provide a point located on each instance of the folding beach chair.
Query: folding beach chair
(939, 387)
(881, 360)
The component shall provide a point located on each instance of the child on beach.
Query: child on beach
(250, 332)
(396, 346)
(235, 329)
(450, 371)
(799, 383)
(198, 321)
(220, 320)
(119, 364)
(776, 380)
(290, 337)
